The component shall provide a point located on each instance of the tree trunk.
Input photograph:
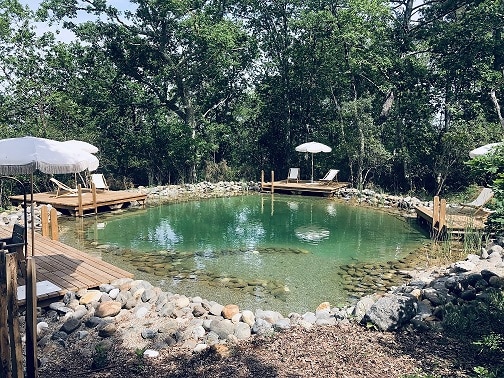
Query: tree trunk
(497, 107)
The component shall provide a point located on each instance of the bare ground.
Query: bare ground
(325, 351)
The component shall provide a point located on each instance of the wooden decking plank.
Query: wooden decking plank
(57, 247)
(62, 273)
(67, 267)
(86, 272)
(455, 222)
(56, 268)
(97, 267)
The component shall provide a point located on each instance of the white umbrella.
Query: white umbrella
(483, 150)
(313, 148)
(25, 155)
(84, 146)
(81, 145)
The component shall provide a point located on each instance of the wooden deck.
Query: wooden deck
(304, 187)
(86, 201)
(67, 268)
(457, 221)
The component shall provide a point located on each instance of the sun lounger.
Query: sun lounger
(99, 181)
(332, 175)
(483, 198)
(62, 189)
(293, 174)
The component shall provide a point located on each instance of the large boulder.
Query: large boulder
(391, 312)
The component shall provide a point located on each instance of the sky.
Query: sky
(64, 35)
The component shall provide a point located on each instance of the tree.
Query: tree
(188, 56)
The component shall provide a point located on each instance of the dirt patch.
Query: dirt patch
(337, 351)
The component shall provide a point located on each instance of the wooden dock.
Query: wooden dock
(86, 201)
(443, 220)
(63, 268)
(304, 187)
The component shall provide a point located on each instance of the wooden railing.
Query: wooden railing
(11, 351)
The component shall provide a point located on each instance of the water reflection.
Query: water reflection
(312, 233)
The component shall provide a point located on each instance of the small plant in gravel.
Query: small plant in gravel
(482, 372)
(139, 362)
(100, 357)
(492, 342)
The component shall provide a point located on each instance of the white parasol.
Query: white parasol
(483, 150)
(313, 148)
(84, 146)
(25, 155)
(28, 154)
(81, 145)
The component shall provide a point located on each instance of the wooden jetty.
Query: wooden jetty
(319, 188)
(61, 268)
(443, 220)
(86, 201)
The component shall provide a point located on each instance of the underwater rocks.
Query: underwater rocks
(181, 266)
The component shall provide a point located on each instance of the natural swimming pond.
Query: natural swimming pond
(285, 253)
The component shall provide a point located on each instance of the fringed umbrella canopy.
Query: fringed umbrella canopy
(25, 155)
(28, 154)
(81, 145)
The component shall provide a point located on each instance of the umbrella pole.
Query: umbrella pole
(312, 167)
(32, 218)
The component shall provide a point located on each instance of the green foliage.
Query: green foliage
(215, 172)
(476, 319)
(481, 323)
(490, 342)
(139, 363)
(490, 167)
(100, 357)
(401, 94)
(482, 372)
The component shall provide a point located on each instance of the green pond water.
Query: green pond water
(283, 253)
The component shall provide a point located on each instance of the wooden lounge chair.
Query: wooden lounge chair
(99, 181)
(332, 175)
(483, 198)
(293, 174)
(62, 189)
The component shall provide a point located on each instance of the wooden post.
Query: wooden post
(44, 217)
(79, 197)
(262, 178)
(31, 318)
(93, 191)
(13, 317)
(442, 214)
(435, 214)
(5, 367)
(54, 224)
(272, 181)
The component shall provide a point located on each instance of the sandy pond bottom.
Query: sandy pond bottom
(287, 254)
